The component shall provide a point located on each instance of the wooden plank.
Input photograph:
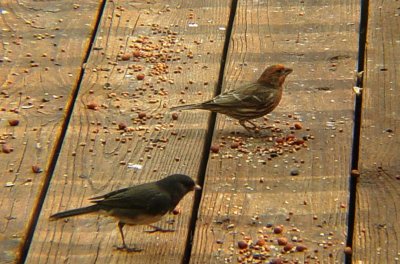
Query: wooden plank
(96, 155)
(42, 49)
(377, 228)
(248, 192)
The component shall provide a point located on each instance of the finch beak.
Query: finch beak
(197, 187)
(288, 71)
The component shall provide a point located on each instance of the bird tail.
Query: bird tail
(186, 107)
(73, 212)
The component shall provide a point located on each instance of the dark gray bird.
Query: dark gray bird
(138, 205)
(249, 101)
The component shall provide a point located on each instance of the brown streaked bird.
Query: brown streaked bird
(249, 101)
(138, 205)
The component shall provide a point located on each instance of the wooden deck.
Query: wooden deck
(69, 76)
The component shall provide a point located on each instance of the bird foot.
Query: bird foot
(128, 249)
(159, 229)
(253, 128)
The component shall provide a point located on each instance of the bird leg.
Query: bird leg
(254, 127)
(158, 229)
(124, 247)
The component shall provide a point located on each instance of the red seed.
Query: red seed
(282, 241)
(278, 230)
(288, 247)
(36, 169)
(298, 126)
(13, 122)
(242, 244)
(122, 126)
(142, 115)
(260, 242)
(276, 261)
(301, 248)
(140, 76)
(235, 145)
(6, 148)
(92, 106)
(214, 148)
(348, 250)
(176, 211)
(175, 116)
(126, 56)
(136, 53)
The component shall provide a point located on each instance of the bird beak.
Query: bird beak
(288, 71)
(197, 187)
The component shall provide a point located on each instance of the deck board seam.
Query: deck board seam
(209, 135)
(355, 152)
(57, 148)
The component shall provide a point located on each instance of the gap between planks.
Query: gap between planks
(209, 137)
(355, 154)
(56, 151)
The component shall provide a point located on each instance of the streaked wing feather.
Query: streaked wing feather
(249, 95)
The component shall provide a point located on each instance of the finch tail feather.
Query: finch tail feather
(73, 212)
(186, 107)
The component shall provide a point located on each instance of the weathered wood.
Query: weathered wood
(377, 227)
(246, 188)
(42, 49)
(95, 155)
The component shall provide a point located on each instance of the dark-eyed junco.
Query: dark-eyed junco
(249, 101)
(138, 205)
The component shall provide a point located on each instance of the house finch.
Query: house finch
(138, 205)
(249, 101)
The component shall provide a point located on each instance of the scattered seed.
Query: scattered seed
(301, 248)
(92, 106)
(294, 172)
(36, 169)
(298, 126)
(175, 116)
(282, 241)
(278, 230)
(214, 148)
(6, 148)
(242, 244)
(288, 247)
(348, 250)
(126, 56)
(260, 242)
(122, 126)
(176, 211)
(140, 76)
(235, 145)
(142, 115)
(13, 122)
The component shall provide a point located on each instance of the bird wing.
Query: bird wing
(147, 197)
(248, 95)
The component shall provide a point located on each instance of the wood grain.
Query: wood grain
(96, 153)
(40, 63)
(248, 191)
(377, 227)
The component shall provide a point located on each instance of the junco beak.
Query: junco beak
(197, 187)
